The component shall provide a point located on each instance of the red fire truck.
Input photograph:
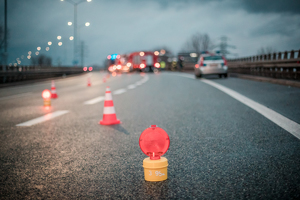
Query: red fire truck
(143, 61)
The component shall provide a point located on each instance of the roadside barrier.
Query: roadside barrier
(280, 65)
(10, 74)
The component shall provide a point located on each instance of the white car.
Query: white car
(211, 64)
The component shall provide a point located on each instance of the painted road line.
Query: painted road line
(138, 83)
(44, 118)
(116, 92)
(119, 91)
(285, 123)
(131, 86)
(15, 96)
(95, 100)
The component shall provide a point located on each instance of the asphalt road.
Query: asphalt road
(220, 148)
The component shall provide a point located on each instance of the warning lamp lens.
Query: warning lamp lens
(154, 142)
(196, 66)
(85, 69)
(157, 65)
(128, 64)
(90, 68)
(46, 94)
(119, 67)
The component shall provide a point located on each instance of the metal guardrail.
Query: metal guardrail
(20, 73)
(282, 65)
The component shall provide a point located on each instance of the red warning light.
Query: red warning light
(46, 94)
(85, 69)
(154, 142)
(90, 69)
(109, 57)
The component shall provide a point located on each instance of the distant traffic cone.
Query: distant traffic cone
(104, 80)
(89, 82)
(53, 91)
(109, 113)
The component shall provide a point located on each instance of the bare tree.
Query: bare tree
(266, 50)
(41, 60)
(197, 43)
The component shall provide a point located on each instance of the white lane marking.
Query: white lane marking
(119, 91)
(95, 100)
(109, 110)
(116, 92)
(16, 96)
(285, 123)
(44, 118)
(131, 86)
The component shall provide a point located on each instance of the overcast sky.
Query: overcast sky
(123, 26)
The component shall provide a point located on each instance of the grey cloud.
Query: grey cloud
(251, 6)
(271, 6)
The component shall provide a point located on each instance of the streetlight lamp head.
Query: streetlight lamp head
(71, 38)
(87, 24)
(49, 43)
(70, 23)
(88, 0)
(59, 37)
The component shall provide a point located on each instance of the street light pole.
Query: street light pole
(5, 34)
(75, 24)
(75, 33)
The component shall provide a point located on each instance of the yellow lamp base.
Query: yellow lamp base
(47, 102)
(155, 170)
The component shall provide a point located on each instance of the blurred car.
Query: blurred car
(211, 64)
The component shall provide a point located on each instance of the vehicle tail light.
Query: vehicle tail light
(196, 66)
(225, 61)
(119, 67)
(84, 69)
(128, 64)
(111, 69)
(201, 61)
(157, 65)
(90, 69)
(142, 66)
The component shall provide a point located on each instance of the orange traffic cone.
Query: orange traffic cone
(109, 113)
(89, 82)
(53, 91)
